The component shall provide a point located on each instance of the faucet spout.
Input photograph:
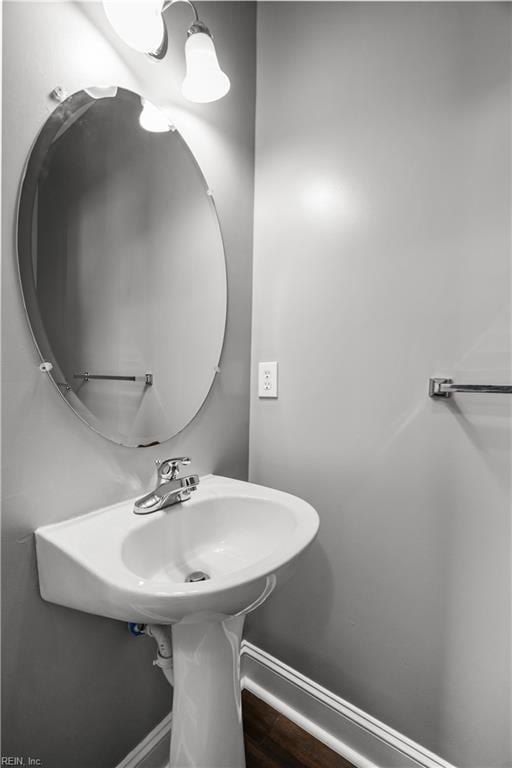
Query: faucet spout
(171, 489)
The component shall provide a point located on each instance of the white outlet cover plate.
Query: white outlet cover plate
(267, 380)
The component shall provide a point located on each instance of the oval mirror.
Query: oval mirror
(122, 267)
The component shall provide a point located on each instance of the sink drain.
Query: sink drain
(197, 576)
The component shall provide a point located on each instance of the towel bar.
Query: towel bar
(446, 388)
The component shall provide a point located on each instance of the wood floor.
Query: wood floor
(273, 741)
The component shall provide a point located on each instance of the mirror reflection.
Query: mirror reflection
(122, 268)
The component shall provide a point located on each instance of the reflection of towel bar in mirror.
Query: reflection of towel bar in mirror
(147, 378)
(446, 388)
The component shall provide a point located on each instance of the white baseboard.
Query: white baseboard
(358, 737)
(139, 756)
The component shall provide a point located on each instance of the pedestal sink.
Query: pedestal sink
(243, 537)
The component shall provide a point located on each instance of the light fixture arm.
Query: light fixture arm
(188, 2)
(196, 26)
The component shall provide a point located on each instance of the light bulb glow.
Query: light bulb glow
(329, 199)
(139, 24)
(152, 119)
(204, 81)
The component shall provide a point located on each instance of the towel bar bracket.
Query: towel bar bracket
(435, 387)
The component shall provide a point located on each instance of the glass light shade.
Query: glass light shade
(151, 119)
(139, 24)
(205, 81)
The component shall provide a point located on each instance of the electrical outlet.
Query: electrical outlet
(267, 380)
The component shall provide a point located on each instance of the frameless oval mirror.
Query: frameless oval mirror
(122, 268)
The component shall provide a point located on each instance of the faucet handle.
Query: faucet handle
(169, 469)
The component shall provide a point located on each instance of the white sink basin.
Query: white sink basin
(133, 567)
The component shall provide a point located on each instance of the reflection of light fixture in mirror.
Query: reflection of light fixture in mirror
(102, 91)
(151, 119)
(142, 26)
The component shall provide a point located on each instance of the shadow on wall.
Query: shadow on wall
(309, 601)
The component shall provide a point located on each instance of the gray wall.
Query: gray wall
(382, 257)
(78, 690)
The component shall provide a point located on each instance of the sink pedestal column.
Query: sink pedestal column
(207, 712)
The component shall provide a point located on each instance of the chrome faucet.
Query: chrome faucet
(171, 488)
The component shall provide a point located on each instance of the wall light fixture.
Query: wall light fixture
(141, 25)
